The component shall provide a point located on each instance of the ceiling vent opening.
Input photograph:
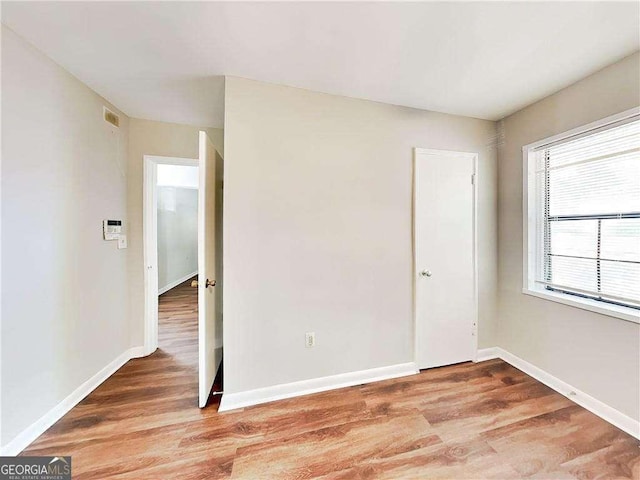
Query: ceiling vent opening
(111, 117)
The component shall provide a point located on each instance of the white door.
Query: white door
(209, 356)
(444, 257)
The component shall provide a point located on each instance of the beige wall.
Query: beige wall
(148, 137)
(64, 297)
(595, 353)
(177, 234)
(317, 230)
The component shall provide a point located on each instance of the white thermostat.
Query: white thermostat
(111, 229)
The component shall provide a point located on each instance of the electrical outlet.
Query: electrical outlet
(310, 339)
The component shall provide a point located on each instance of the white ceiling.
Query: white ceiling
(165, 60)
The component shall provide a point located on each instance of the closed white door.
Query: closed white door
(444, 257)
(210, 355)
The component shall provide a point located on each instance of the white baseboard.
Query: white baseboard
(486, 354)
(174, 284)
(604, 411)
(28, 435)
(231, 401)
(137, 352)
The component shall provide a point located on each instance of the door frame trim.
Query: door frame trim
(150, 242)
(450, 153)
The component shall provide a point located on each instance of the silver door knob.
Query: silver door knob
(425, 273)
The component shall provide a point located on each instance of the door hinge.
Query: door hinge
(473, 179)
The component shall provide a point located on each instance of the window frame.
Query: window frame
(530, 214)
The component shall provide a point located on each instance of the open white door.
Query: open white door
(209, 356)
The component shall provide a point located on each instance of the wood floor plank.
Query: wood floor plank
(560, 436)
(337, 448)
(619, 460)
(454, 416)
(466, 421)
(471, 459)
(420, 393)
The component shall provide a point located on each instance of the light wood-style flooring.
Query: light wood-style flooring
(468, 421)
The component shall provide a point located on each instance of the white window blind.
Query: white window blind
(587, 194)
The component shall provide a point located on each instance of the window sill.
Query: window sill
(624, 313)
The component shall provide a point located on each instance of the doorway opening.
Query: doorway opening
(170, 230)
(161, 209)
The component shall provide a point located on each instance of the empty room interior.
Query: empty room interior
(333, 240)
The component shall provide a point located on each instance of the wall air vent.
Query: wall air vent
(111, 117)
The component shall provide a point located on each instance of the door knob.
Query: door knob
(425, 273)
(209, 283)
(194, 283)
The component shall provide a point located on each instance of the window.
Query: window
(583, 231)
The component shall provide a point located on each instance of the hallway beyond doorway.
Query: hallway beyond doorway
(178, 325)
